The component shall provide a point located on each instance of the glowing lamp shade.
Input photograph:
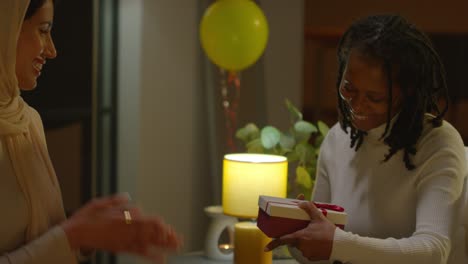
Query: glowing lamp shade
(246, 176)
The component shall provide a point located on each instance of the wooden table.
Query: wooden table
(199, 258)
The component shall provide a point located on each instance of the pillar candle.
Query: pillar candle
(249, 242)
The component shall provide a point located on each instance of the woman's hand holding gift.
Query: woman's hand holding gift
(315, 241)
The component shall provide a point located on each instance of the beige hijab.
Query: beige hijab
(22, 134)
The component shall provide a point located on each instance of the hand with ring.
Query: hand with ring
(111, 224)
(128, 217)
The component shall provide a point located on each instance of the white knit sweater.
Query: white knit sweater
(396, 215)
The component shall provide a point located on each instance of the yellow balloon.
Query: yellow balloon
(233, 33)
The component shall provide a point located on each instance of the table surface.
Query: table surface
(199, 258)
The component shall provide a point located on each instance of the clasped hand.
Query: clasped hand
(101, 224)
(315, 241)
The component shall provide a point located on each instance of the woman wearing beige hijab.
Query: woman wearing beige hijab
(33, 228)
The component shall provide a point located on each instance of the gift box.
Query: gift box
(281, 216)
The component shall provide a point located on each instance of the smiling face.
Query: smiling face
(35, 46)
(364, 89)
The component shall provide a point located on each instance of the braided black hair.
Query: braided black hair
(408, 58)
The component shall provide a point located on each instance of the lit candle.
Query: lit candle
(249, 243)
(225, 248)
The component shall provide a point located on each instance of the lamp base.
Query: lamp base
(219, 222)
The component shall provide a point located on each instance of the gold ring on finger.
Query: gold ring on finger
(128, 217)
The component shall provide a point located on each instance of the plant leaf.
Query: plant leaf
(311, 169)
(308, 192)
(318, 141)
(317, 151)
(270, 136)
(303, 131)
(287, 142)
(304, 127)
(248, 133)
(295, 144)
(296, 115)
(292, 156)
(305, 152)
(255, 146)
(303, 177)
(323, 128)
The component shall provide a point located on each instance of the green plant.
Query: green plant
(300, 144)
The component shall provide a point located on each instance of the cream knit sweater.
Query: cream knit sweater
(396, 215)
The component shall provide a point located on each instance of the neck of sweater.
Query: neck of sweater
(375, 135)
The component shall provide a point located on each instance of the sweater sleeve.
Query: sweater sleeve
(440, 169)
(51, 247)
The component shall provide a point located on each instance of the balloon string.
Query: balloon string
(230, 91)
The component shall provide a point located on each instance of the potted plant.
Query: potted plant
(300, 144)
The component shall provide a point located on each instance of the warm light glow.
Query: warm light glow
(225, 246)
(247, 176)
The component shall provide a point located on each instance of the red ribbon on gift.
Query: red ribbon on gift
(332, 207)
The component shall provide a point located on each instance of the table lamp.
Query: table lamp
(246, 176)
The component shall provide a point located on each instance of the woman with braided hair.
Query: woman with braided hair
(392, 162)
